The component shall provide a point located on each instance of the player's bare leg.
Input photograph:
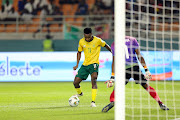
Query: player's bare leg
(94, 88)
(153, 93)
(76, 83)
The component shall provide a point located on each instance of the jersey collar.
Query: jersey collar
(92, 38)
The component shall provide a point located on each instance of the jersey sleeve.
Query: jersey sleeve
(102, 42)
(80, 48)
(135, 44)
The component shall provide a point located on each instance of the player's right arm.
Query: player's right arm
(78, 59)
(80, 49)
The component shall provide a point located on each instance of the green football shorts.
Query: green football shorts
(84, 71)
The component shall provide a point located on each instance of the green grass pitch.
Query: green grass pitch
(49, 101)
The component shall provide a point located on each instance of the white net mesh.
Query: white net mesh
(155, 24)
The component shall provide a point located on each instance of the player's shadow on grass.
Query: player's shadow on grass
(63, 107)
(48, 108)
(85, 113)
(90, 113)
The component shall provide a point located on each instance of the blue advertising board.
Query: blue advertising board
(58, 66)
(159, 64)
(46, 66)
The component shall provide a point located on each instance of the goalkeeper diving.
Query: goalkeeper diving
(133, 71)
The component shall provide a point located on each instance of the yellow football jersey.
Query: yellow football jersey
(91, 49)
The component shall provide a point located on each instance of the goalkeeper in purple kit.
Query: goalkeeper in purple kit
(133, 71)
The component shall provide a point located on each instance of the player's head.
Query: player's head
(88, 34)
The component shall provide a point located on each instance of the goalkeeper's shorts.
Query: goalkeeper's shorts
(135, 73)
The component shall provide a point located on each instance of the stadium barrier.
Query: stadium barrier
(36, 45)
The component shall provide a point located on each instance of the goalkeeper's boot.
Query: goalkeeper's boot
(79, 95)
(163, 107)
(108, 107)
(93, 104)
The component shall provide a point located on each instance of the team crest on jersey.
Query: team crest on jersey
(84, 46)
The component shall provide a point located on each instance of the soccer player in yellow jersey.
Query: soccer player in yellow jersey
(91, 45)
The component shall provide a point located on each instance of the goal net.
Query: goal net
(155, 24)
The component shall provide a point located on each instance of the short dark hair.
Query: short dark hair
(87, 30)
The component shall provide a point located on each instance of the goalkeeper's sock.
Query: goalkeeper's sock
(160, 102)
(94, 93)
(112, 97)
(153, 93)
(79, 91)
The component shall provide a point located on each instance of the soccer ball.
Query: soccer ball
(74, 101)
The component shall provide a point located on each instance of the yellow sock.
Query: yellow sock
(78, 90)
(94, 93)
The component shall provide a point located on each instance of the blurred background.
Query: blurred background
(65, 20)
(60, 19)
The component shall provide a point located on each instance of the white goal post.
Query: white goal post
(119, 59)
(156, 26)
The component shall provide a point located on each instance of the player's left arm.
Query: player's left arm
(102, 43)
(110, 82)
(143, 63)
(108, 47)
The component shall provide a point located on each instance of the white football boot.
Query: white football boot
(79, 95)
(93, 104)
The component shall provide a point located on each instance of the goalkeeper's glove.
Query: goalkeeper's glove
(110, 82)
(148, 75)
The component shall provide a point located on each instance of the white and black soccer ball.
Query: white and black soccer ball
(74, 101)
